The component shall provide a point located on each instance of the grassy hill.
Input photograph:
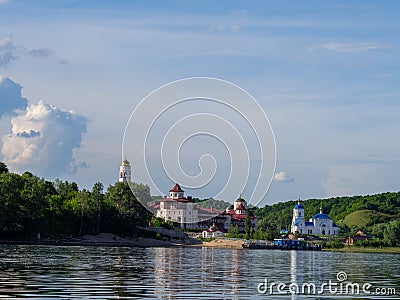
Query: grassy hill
(372, 213)
(364, 218)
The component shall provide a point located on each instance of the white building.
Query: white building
(212, 232)
(235, 215)
(318, 224)
(125, 172)
(178, 208)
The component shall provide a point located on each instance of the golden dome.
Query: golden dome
(125, 163)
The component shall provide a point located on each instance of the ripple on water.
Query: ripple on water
(50, 272)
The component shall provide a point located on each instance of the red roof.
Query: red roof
(176, 188)
(241, 207)
(237, 216)
(234, 215)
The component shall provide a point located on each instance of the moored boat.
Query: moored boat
(282, 244)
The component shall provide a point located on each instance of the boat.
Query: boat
(281, 244)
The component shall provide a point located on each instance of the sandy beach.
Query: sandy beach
(222, 243)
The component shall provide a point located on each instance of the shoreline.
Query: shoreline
(122, 242)
(352, 249)
(101, 240)
(111, 240)
(221, 243)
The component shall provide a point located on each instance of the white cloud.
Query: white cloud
(6, 51)
(348, 47)
(283, 177)
(43, 139)
(10, 96)
(9, 52)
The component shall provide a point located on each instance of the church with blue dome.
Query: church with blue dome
(319, 224)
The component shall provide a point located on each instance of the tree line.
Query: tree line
(384, 226)
(30, 205)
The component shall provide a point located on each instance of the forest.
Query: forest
(31, 205)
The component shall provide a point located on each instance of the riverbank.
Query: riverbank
(111, 240)
(221, 243)
(352, 249)
(101, 240)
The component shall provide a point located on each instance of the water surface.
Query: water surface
(63, 272)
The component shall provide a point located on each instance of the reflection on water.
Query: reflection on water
(185, 273)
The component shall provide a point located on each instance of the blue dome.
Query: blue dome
(298, 206)
(321, 216)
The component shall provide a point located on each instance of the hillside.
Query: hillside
(372, 213)
(364, 218)
(216, 204)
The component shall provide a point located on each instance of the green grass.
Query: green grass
(366, 249)
(364, 218)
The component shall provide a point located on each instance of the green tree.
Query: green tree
(259, 235)
(34, 202)
(131, 213)
(271, 234)
(11, 204)
(141, 192)
(97, 196)
(391, 234)
(233, 231)
(3, 168)
(247, 225)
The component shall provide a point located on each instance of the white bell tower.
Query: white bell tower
(125, 172)
(298, 220)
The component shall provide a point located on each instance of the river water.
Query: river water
(58, 272)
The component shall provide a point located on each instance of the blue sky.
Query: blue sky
(325, 72)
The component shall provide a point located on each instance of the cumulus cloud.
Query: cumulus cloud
(10, 96)
(283, 177)
(7, 51)
(43, 139)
